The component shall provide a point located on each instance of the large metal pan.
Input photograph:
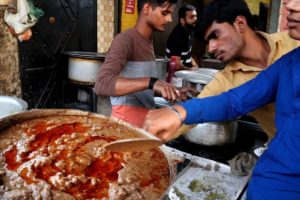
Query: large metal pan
(11, 120)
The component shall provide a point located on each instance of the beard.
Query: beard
(190, 27)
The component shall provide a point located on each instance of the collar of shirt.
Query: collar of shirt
(236, 65)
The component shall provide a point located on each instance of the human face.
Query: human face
(190, 19)
(224, 41)
(160, 16)
(293, 18)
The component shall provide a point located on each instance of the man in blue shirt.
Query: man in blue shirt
(277, 173)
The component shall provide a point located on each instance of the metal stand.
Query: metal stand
(88, 87)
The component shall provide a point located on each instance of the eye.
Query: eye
(165, 13)
(216, 34)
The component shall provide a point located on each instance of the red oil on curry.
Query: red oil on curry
(46, 135)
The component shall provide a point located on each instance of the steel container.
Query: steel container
(84, 66)
(213, 133)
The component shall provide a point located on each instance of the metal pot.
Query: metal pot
(11, 105)
(83, 66)
(161, 68)
(213, 134)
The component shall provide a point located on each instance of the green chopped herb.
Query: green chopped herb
(179, 194)
(198, 186)
(215, 196)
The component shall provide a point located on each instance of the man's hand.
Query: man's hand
(164, 122)
(187, 92)
(167, 90)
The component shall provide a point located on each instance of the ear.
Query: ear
(146, 8)
(182, 21)
(240, 24)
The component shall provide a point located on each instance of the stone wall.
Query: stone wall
(105, 34)
(9, 61)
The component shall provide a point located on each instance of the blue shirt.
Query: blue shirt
(277, 173)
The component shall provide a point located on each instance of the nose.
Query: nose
(289, 5)
(169, 18)
(212, 46)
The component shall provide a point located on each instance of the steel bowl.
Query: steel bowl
(10, 105)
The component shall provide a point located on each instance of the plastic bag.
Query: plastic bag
(36, 12)
(27, 15)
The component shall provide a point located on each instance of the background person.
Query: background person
(179, 42)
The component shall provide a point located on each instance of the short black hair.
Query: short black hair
(185, 8)
(154, 3)
(222, 11)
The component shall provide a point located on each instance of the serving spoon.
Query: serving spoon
(132, 144)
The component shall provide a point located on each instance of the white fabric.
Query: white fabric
(22, 20)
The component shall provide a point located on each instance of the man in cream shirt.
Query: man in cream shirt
(227, 27)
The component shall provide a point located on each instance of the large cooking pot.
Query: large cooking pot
(10, 105)
(213, 133)
(83, 66)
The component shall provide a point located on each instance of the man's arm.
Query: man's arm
(217, 86)
(109, 83)
(126, 86)
(229, 105)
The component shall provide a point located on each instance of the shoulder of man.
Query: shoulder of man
(285, 39)
(126, 35)
(123, 42)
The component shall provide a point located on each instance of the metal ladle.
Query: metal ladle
(133, 144)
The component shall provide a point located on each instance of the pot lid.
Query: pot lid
(86, 54)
